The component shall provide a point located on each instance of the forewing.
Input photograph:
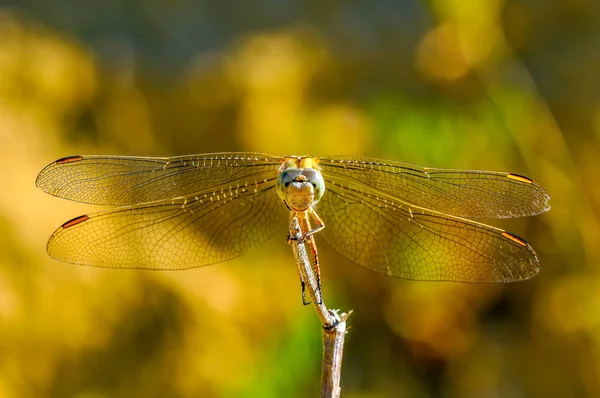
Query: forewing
(415, 243)
(125, 180)
(172, 235)
(462, 193)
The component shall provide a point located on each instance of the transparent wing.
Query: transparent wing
(462, 193)
(171, 235)
(419, 244)
(124, 180)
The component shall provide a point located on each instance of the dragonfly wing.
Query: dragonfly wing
(462, 193)
(172, 235)
(126, 180)
(419, 244)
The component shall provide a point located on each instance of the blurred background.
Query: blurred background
(501, 85)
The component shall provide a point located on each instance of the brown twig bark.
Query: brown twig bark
(334, 324)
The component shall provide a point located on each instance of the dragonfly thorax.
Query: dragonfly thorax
(299, 188)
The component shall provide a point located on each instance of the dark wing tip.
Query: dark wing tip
(41, 180)
(541, 197)
(531, 266)
(515, 238)
(520, 177)
(69, 159)
(75, 221)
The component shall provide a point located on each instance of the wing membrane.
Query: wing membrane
(174, 234)
(124, 180)
(415, 243)
(391, 217)
(462, 193)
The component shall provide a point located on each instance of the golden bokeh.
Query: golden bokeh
(457, 84)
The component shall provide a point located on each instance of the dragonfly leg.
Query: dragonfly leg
(304, 216)
(303, 285)
(318, 221)
(313, 248)
(291, 239)
(304, 223)
(316, 268)
(304, 292)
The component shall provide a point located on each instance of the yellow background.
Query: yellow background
(498, 85)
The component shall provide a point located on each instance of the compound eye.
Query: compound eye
(318, 183)
(286, 177)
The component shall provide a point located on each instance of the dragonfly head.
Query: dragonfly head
(300, 188)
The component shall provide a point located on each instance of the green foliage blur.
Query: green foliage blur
(501, 85)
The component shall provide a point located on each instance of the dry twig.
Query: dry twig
(334, 324)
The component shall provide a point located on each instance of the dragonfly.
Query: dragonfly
(401, 220)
